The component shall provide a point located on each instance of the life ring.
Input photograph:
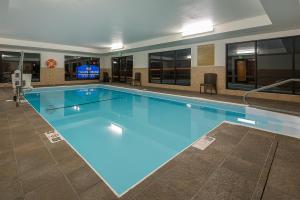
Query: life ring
(51, 63)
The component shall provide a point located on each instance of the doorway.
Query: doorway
(122, 69)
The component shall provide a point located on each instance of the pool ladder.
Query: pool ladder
(268, 87)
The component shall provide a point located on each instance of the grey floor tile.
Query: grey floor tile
(70, 164)
(159, 191)
(233, 130)
(5, 143)
(248, 170)
(83, 178)
(99, 191)
(274, 194)
(250, 154)
(183, 181)
(10, 189)
(8, 171)
(61, 150)
(58, 191)
(43, 129)
(40, 176)
(27, 141)
(285, 178)
(256, 142)
(225, 184)
(22, 132)
(210, 155)
(6, 156)
(29, 159)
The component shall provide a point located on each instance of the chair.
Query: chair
(210, 82)
(106, 78)
(137, 79)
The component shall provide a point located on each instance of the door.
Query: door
(115, 69)
(241, 70)
(122, 69)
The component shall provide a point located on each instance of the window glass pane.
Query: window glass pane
(183, 67)
(241, 49)
(81, 68)
(168, 64)
(129, 66)
(170, 67)
(275, 63)
(115, 69)
(241, 66)
(155, 56)
(275, 46)
(184, 54)
(297, 64)
(31, 66)
(155, 71)
(9, 62)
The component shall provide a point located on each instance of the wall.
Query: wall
(54, 76)
(140, 64)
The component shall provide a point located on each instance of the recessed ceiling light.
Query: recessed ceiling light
(197, 28)
(117, 46)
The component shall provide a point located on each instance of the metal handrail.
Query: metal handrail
(268, 87)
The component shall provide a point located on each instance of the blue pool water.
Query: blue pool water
(126, 134)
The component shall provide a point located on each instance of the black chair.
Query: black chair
(137, 79)
(106, 78)
(210, 82)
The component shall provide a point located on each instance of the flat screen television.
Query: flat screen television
(87, 72)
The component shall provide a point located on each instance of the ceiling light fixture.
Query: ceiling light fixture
(197, 28)
(117, 46)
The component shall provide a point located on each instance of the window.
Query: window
(241, 66)
(259, 63)
(9, 62)
(297, 64)
(81, 68)
(170, 67)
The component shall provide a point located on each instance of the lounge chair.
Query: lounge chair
(106, 78)
(210, 82)
(137, 79)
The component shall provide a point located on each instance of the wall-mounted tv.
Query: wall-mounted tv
(87, 72)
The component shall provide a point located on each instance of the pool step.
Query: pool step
(203, 142)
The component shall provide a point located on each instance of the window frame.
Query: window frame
(161, 69)
(17, 52)
(293, 70)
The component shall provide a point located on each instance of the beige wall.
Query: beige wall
(197, 75)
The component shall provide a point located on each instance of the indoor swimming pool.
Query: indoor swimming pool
(126, 134)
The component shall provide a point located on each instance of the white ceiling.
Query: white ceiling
(99, 23)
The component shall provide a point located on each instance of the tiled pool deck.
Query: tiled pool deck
(242, 163)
